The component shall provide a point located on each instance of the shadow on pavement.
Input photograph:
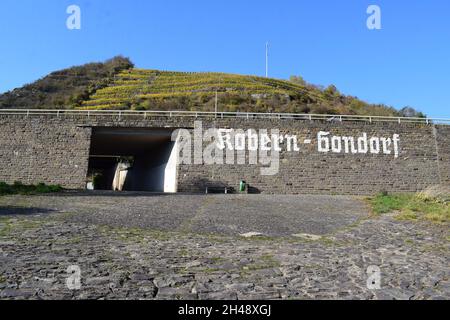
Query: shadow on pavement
(22, 211)
(118, 194)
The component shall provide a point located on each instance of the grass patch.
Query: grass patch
(9, 226)
(135, 235)
(5, 229)
(217, 259)
(412, 207)
(19, 188)
(184, 253)
(266, 261)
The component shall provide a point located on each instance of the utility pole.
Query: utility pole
(215, 105)
(267, 59)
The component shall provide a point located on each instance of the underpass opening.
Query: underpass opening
(132, 159)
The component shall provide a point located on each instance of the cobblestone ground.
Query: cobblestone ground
(193, 247)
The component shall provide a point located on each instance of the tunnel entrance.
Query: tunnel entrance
(132, 159)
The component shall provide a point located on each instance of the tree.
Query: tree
(331, 92)
(118, 63)
(410, 112)
(297, 80)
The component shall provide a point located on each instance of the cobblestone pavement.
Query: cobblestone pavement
(131, 246)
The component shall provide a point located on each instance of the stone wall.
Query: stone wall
(45, 150)
(442, 134)
(311, 171)
(55, 150)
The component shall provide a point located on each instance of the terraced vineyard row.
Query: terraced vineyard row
(137, 88)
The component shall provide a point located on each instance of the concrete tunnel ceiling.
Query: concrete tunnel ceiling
(126, 141)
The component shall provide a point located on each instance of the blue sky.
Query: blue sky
(407, 62)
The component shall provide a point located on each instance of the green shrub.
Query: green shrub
(20, 188)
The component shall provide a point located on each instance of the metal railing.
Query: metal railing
(120, 114)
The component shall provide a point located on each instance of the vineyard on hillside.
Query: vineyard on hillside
(140, 89)
(116, 84)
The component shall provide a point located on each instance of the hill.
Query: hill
(116, 84)
(65, 88)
